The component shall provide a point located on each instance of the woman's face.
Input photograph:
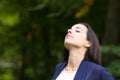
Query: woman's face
(76, 36)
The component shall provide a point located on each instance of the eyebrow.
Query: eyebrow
(78, 28)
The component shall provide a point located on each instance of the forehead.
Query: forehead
(80, 26)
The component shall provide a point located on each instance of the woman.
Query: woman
(82, 57)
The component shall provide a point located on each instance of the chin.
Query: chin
(68, 44)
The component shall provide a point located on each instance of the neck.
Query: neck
(75, 58)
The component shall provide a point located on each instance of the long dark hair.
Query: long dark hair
(93, 53)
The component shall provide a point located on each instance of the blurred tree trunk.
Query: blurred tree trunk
(111, 33)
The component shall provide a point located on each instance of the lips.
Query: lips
(69, 36)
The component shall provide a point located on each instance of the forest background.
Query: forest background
(32, 34)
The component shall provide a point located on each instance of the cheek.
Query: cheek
(81, 39)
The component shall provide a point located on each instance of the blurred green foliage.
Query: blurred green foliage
(32, 34)
(111, 59)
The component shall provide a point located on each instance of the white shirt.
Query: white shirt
(66, 75)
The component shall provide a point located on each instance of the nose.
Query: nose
(69, 31)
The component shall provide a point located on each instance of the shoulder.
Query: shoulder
(94, 65)
(100, 71)
(60, 65)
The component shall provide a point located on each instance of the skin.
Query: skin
(77, 44)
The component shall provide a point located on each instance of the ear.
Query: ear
(87, 44)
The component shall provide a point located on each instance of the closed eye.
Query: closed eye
(77, 31)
